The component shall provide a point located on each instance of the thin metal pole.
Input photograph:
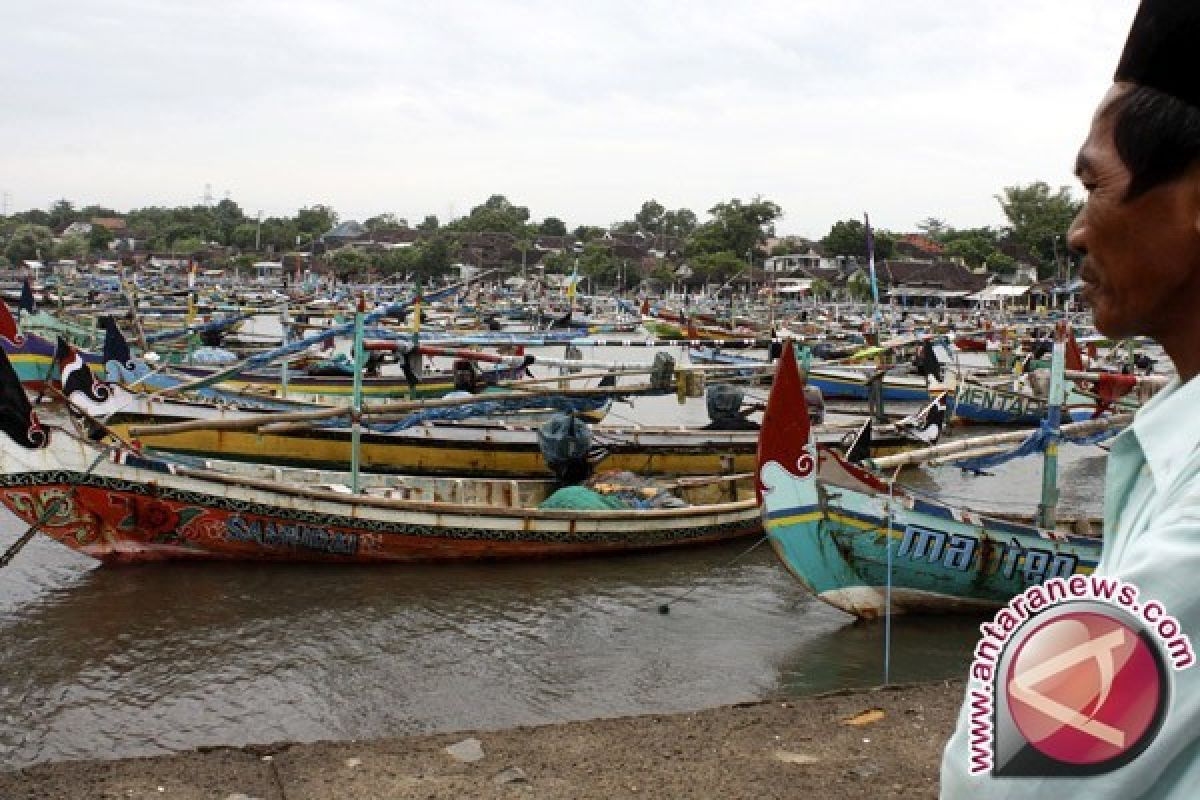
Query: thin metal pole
(356, 408)
(1047, 509)
(887, 610)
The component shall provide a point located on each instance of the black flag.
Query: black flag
(927, 362)
(16, 414)
(860, 449)
(26, 301)
(115, 346)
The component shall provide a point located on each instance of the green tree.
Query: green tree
(34, 216)
(317, 220)
(29, 243)
(349, 261)
(558, 262)
(62, 213)
(718, 267)
(859, 287)
(385, 221)
(1039, 218)
(680, 222)
(849, 238)
(650, 217)
(735, 227)
(552, 226)
(399, 262)
(663, 275)
(597, 263)
(974, 246)
(243, 236)
(435, 257)
(496, 215)
(227, 216)
(187, 245)
(279, 234)
(429, 224)
(933, 227)
(821, 290)
(99, 237)
(1002, 263)
(586, 233)
(74, 248)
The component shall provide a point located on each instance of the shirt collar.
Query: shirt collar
(1168, 431)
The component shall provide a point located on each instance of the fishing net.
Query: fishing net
(581, 498)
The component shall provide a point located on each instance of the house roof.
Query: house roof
(349, 229)
(112, 223)
(937, 274)
(921, 243)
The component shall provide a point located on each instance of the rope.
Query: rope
(1037, 442)
(665, 608)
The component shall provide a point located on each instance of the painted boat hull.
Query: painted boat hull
(833, 382)
(867, 548)
(135, 510)
(976, 403)
(479, 451)
(943, 560)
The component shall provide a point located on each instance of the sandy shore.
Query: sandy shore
(874, 743)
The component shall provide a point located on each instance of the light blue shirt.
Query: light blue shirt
(1152, 540)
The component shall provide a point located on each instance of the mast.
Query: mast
(871, 266)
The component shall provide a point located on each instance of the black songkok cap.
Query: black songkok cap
(1163, 51)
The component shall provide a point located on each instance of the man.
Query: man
(1139, 233)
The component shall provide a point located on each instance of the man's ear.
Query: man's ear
(1192, 176)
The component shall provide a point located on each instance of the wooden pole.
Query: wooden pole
(962, 447)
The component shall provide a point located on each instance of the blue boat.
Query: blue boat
(859, 543)
(835, 382)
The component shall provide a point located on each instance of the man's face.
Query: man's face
(1142, 255)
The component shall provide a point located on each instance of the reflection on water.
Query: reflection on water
(131, 661)
(922, 649)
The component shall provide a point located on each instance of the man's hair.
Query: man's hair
(1156, 136)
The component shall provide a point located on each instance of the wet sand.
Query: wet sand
(799, 747)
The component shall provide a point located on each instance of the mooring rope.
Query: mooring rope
(665, 608)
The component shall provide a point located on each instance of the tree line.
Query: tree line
(731, 240)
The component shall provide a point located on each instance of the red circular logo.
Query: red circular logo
(1084, 688)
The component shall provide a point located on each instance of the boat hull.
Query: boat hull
(847, 545)
(146, 512)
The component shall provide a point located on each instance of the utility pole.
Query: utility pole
(258, 232)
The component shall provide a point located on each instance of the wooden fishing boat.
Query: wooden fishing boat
(995, 404)
(32, 357)
(836, 382)
(480, 449)
(120, 506)
(866, 546)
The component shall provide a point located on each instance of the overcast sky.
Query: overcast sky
(581, 109)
